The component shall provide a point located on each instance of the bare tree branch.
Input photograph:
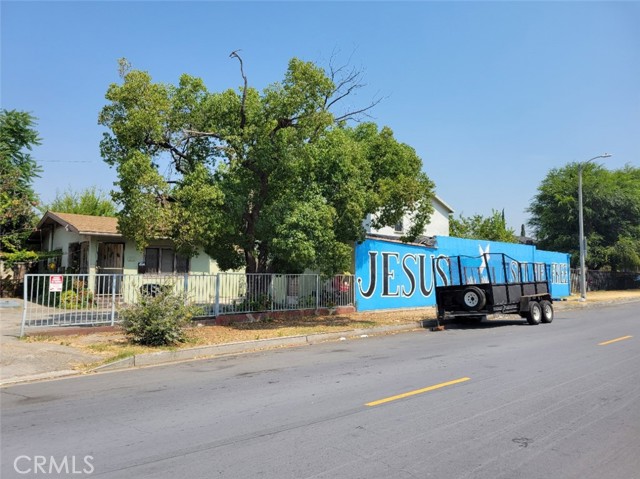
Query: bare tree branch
(165, 144)
(243, 116)
(328, 104)
(352, 114)
(334, 71)
(346, 83)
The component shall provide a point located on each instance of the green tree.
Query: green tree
(611, 202)
(18, 169)
(491, 228)
(90, 201)
(272, 180)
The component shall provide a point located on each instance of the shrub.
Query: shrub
(262, 303)
(158, 320)
(76, 299)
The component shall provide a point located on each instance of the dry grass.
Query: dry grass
(113, 345)
(282, 327)
(604, 296)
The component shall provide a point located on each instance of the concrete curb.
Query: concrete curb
(40, 377)
(201, 352)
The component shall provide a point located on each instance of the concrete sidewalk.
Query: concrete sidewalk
(25, 361)
(22, 361)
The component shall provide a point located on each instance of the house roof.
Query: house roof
(82, 224)
(443, 203)
(421, 240)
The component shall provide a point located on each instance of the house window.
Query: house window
(78, 257)
(399, 227)
(165, 260)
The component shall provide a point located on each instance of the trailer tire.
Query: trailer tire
(473, 298)
(547, 311)
(535, 313)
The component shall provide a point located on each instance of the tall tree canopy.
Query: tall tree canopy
(18, 169)
(272, 180)
(611, 202)
(90, 201)
(492, 228)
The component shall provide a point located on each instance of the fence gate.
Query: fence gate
(68, 300)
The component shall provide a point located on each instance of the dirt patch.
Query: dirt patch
(281, 327)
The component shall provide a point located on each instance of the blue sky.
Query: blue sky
(492, 95)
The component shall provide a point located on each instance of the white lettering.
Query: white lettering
(559, 273)
(88, 460)
(64, 465)
(53, 466)
(15, 465)
(38, 464)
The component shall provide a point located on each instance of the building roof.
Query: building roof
(421, 240)
(443, 203)
(82, 224)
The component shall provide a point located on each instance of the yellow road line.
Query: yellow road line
(614, 340)
(417, 391)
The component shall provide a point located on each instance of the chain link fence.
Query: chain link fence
(605, 280)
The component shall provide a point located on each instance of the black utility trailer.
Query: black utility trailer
(473, 287)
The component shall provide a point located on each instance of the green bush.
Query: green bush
(76, 299)
(263, 303)
(158, 320)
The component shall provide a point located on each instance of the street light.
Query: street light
(583, 286)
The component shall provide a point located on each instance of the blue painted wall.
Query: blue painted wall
(393, 275)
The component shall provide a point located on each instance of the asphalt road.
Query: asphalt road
(503, 400)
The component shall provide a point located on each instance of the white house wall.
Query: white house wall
(438, 224)
(202, 263)
(131, 257)
(59, 239)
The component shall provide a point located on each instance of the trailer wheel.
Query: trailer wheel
(535, 313)
(473, 298)
(547, 311)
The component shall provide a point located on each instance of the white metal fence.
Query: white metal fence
(86, 299)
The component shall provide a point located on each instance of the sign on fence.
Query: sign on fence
(55, 283)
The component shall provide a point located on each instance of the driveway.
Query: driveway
(24, 360)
